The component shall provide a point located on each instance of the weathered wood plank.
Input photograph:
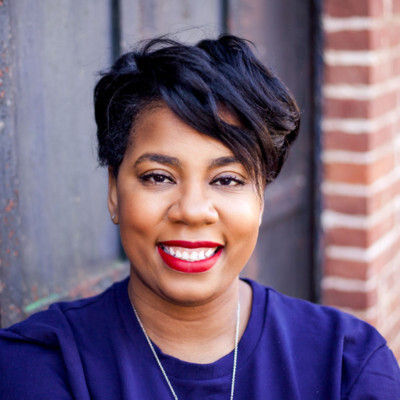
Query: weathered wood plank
(189, 20)
(281, 31)
(9, 186)
(64, 232)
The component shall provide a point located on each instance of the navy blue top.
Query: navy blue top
(291, 349)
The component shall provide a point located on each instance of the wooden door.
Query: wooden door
(57, 241)
(283, 34)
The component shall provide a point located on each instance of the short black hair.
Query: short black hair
(199, 83)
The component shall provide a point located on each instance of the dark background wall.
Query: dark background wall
(283, 33)
(56, 239)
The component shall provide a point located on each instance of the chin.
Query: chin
(193, 289)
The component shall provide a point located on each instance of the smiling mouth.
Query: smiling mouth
(189, 257)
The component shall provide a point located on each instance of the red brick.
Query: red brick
(346, 173)
(355, 300)
(396, 6)
(346, 204)
(363, 238)
(381, 229)
(346, 269)
(367, 141)
(380, 262)
(381, 72)
(336, 140)
(350, 108)
(362, 270)
(360, 205)
(353, 8)
(396, 66)
(348, 40)
(347, 237)
(345, 108)
(393, 332)
(359, 174)
(381, 167)
(393, 284)
(355, 74)
(393, 289)
(383, 104)
(383, 136)
(347, 74)
(394, 34)
(381, 198)
(384, 37)
(365, 39)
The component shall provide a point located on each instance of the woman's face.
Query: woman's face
(188, 211)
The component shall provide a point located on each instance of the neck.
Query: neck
(199, 333)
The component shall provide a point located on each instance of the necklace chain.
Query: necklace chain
(162, 368)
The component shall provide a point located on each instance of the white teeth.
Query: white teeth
(190, 255)
(209, 253)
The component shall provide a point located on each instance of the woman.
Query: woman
(191, 136)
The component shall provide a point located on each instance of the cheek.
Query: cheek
(139, 215)
(242, 220)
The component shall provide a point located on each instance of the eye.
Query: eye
(156, 178)
(228, 181)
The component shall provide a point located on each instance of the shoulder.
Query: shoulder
(321, 335)
(304, 316)
(47, 327)
(40, 357)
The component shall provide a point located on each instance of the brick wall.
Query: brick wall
(361, 158)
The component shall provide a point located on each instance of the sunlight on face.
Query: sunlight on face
(187, 209)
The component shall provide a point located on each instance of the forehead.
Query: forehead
(159, 129)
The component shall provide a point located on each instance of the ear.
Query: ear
(112, 199)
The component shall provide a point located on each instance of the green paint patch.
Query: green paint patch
(39, 304)
(99, 281)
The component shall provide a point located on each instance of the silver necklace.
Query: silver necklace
(235, 351)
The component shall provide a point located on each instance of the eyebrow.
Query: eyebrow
(159, 158)
(174, 162)
(222, 161)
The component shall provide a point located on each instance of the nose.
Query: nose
(193, 206)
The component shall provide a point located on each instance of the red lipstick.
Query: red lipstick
(191, 267)
(190, 245)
